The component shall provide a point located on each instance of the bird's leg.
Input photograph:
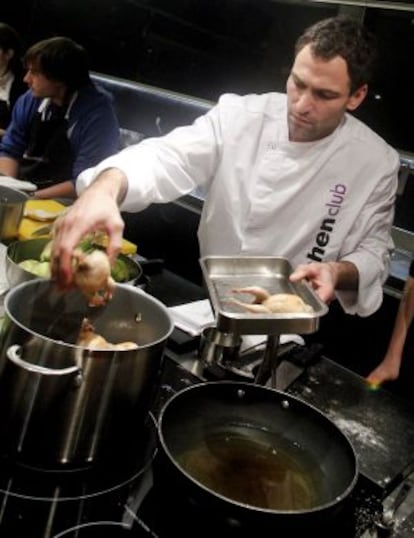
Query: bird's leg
(251, 307)
(259, 293)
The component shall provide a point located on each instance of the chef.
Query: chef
(292, 175)
(61, 125)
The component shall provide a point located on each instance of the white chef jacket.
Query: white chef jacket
(332, 199)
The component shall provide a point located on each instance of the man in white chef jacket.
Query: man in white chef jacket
(291, 175)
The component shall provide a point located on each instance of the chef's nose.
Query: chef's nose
(304, 102)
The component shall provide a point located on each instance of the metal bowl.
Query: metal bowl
(30, 249)
(12, 202)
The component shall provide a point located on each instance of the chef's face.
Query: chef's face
(318, 94)
(42, 86)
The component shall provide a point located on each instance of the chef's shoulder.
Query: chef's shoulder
(265, 104)
(370, 144)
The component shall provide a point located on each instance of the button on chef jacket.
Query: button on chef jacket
(327, 200)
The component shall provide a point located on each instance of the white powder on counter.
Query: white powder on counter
(359, 432)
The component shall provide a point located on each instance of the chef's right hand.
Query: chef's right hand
(96, 209)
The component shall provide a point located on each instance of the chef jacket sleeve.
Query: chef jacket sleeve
(165, 168)
(369, 244)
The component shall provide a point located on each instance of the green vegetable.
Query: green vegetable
(40, 269)
(120, 272)
(46, 253)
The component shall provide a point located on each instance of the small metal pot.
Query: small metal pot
(61, 403)
(12, 202)
(31, 249)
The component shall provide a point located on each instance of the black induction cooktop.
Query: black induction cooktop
(128, 497)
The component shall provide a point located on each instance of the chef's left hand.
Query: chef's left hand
(326, 277)
(321, 276)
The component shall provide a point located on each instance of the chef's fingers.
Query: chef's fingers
(304, 271)
(65, 237)
(115, 231)
(319, 277)
(83, 218)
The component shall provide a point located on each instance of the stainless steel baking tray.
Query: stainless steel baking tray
(224, 273)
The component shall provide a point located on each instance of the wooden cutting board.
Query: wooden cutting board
(29, 226)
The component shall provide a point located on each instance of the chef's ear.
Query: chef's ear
(357, 97)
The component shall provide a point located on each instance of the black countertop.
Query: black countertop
(172, 289)
(379, 424)
(380, 428)
(385, 436)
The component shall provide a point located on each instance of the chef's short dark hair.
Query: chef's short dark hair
(60, 59)
(346, 37)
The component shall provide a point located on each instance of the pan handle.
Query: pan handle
(13, 354)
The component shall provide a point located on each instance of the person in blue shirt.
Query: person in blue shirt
(62, 125)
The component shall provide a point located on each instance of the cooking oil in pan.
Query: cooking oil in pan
(254, 472)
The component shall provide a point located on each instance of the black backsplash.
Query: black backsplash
(207, 47)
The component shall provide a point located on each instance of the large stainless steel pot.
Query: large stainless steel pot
(64, 404)
(255, 458)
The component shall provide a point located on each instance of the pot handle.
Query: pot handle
(13, 353)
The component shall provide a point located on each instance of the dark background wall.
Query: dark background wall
(207, 47)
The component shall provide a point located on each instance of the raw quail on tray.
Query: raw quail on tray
(278, 303)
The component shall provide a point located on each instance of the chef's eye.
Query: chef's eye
(325, 95)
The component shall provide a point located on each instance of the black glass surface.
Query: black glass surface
(43, 503)
(130, 497)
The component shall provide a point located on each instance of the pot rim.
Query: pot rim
(21, 197)
(130, 289)
(17, 245)
(241, 385)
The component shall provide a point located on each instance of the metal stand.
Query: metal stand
(270, 363)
